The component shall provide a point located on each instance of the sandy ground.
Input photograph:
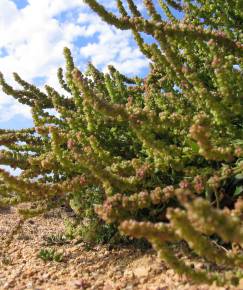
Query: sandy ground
(100, 267)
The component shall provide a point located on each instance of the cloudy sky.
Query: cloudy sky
(33, 34)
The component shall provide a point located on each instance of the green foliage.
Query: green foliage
(57, 239)
(50, 255)
(159, 157)
(91, 230)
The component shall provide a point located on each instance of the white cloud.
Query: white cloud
(111, 46)
(33, 38)
(11, 109)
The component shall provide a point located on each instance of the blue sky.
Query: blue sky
(33, 34)
(20, 3)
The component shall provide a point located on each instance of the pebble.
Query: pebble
(130, 287)
(108, 286)
(142, 271)
(82, 284)
(29, 285)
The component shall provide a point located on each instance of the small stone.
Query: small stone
(129, 287)
(99, 284)
(143, 280)
(142, 271)
(162, 288)
(108, 286)
(82, 284)
(129, 274)
(29, 285)
(46, 276)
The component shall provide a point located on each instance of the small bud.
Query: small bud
(184, 184)
(82, 180)
(70, 144)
